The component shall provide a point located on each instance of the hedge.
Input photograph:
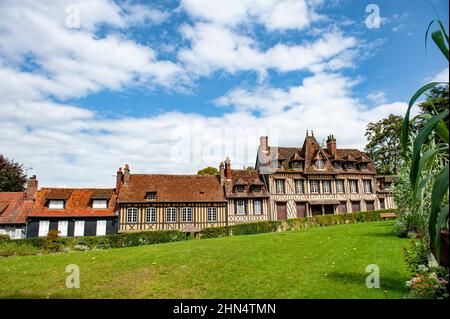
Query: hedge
(335, 219)
(109, 241)
(241, 229)
(215, 232)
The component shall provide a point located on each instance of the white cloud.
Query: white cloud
(273, 14)
(377, 97)
(442, 76)
(215, 47)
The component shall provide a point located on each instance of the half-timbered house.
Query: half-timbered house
(73, 212)
(313, 180)
(248, 199)
(187, 203)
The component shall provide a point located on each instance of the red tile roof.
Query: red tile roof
(78, 203)
(14, 207)
(172, 188)
(247, 179)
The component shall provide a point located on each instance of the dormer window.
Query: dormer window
(296, 164)
(151, 196)
(56, 204)
(349, 165)
(363, 166)
(320, 164)
(239, 188)
(99, 203)
(280, 164)
(256, 189)
(337, 165)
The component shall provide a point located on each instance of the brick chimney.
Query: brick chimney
(228, 168)
(126, 175)
(331, 144)
(222, 173)
(32, 187)
(264, 144)
(119, 179)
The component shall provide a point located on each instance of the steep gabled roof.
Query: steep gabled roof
(14, 207)
(172, 188)
(250, 178)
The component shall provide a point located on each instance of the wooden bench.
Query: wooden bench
(388, 215)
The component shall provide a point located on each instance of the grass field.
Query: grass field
(322, 262)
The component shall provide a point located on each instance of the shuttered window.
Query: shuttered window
(62, 227)
(43, 228)
(79, 228)
(101, 228)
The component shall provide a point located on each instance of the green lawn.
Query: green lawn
(322, 262)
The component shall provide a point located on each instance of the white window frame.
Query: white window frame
(18, 233)
(240, 209)
(314, 183)
(340, 186)
(326, 189)
(101, 227)
(100, 203)
(367, 186)
(212, 214)
(151, 196)
(150, 215)
(257, 209)
(320, 164)
(56, 204)
(44, 226)
(79, 228)
(186, 214)
(279, 186)
(63, 226)
(132, 215)
(353, 186)
(171, 215)
(298, 189)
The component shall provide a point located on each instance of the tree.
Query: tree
(208, 171)
(12, 178)
(250, 168)
(384, 144)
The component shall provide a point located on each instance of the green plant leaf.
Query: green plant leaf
(442, 29)
(418, 142)
(405, 128)
(438, 38)
(440, 188)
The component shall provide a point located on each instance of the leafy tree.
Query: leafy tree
(384, 144)
(208, 171)
(12, 178)
(250, 168)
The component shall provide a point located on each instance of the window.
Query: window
(320, 164)
(240, 207)
(257, 207)
(337, 165)
(43, 228)
(62, 227)
(353, 186)
(186, 214)
(340, 186)
(280, 164)
(297, 164)
(382, 204)
(386, 186)
(279, 186)
(151, 195)
(363, 166)
(101, 228)
(256, 189)
(171, 215)
(314, 186)
(132, 215)
(79, 228)
(326, 186)
(349, 166)
(150, 215)
(99, 203)
(212, 214)
(299, 186)
(367, 186)
(56, 204)
(239, 189)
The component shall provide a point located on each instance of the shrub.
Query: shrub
(12, 248)
(255, 228)
(417, 255)
(215, 232)
(52, 242)
(400, 229)
(4, 238)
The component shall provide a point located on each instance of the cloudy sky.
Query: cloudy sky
(174, 86)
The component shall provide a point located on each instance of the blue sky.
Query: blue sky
(173, 86)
